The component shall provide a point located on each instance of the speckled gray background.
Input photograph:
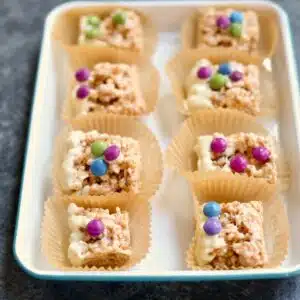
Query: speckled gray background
(21, 23)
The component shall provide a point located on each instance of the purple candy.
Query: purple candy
(95, 227)
(261, 154)
(204, 72)
(212, 226)
(111, 153)
(238, 163)
(236, 76)
(82, 92)
(223, 22)
(218, 145)
(82, 74)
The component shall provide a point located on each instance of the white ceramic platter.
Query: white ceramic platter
(172, 228)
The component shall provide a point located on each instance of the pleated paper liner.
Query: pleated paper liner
(151, 157)
(275, 219)
(268, 29)
(66, 28)
(181, 156)
(146, 73)
(179, 67)
(55, 231)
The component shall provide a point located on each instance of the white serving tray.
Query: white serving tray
(172, 207)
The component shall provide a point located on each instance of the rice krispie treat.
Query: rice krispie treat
(98, 237)
(108, 88)
(121, 28)
(244, 153)
(100, 164)
(229, 28)
(227, 85)
(230, 236)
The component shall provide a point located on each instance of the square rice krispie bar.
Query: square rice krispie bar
(108, 88)
(244, 153)
(230, 236)
(98, 237)
(228, 28)
(227, 85)
(120, 28)
(100, 164)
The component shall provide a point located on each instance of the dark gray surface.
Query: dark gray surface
(21, 23)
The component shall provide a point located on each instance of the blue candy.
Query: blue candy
(224, 69)
(212, 209)
(236, 17)
(98, 167)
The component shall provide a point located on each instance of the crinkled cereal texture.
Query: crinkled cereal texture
(114, 88)
(123, 174)
(211, 35)
(111, 248)
(240, 242)
(127, 36)
(240, 143)
(243, 95)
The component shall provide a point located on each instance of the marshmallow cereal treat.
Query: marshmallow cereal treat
(108, 88)
(98, 237)
(100, 164)
(242, 153)
(230, 236)
(226, 85)
(229, 28)
(121, 28)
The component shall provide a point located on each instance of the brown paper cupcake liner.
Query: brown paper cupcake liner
(151, 157)
(66, 28)
(55, 231)
(180, 154)
(179, 67)
(267, 26)
(146, 73)
(276, 225)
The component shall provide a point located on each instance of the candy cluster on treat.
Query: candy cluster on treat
(232, 24)
(212, 211)
(82, 75)
(238, 162)
(219, 79)
(93, 24)
(103, 154)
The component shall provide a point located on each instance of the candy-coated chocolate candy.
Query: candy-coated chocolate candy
(95, 227)
(119, 18)
(98, 148)
(218, 145)
(82, 92)
(236, 17)
(261, 154)
(204, 72)
(212, 209)
(236, 76)
(236, 29)
(217, 81)
(82, 74)
(93, 20)
(92, 33)
(98, 167)
(212, 226)
(238, 163)
(112, 153)
(223, 22)
(224, 69)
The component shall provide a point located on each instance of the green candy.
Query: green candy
(236, 29)
(93, 20)
(119, 18)
(92, 33)
(98, 148)
(217, 81)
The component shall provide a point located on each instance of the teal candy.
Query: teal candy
(212, 209)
